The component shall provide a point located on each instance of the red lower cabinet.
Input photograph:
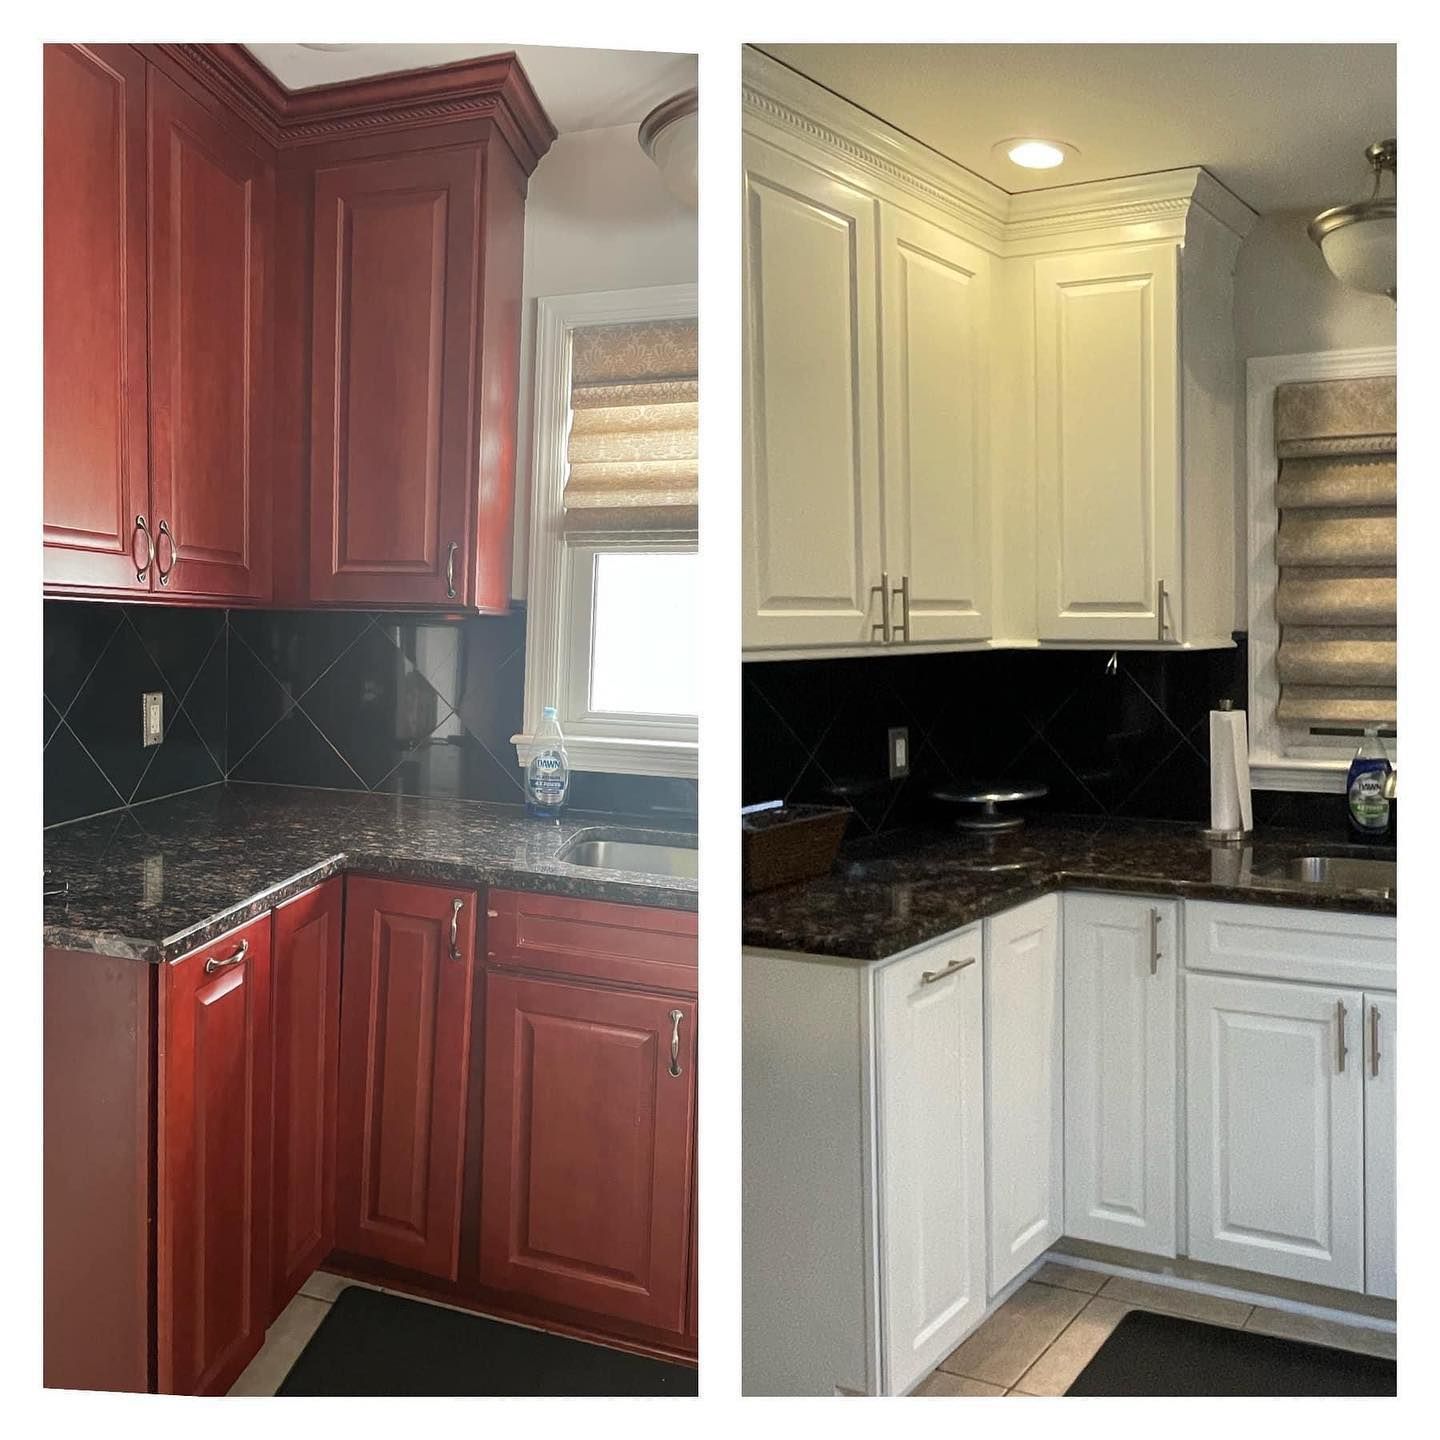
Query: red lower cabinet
(213, 1283)
(405, 1033)
(588, 1151)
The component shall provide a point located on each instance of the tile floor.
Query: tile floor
(1048, 1331)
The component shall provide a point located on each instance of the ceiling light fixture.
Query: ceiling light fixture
(670, 136)
(1358, 241)
(1032, 153)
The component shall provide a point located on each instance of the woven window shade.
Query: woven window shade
(1336, 551)
(634, 453)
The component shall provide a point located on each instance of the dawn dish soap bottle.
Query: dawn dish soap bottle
(1365, 786)
(547, 776)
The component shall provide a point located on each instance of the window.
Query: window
(613, 591)
(1321, 469)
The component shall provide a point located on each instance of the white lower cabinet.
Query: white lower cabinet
(1120, 1044)
(1380, 1060)
(1024, 1086)
(930, 1076)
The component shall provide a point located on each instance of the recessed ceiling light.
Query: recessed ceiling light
(1032, 153)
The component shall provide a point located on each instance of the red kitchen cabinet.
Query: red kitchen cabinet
(589, 1148)
(96, 431)
(305, 1077)
(406, 995)
(213, 1283)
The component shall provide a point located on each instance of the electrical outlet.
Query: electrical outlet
(152, 718)
(899, 752)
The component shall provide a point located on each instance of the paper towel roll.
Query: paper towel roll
(1229, 772)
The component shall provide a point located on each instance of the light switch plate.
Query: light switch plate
(899, 752)
(152, 718)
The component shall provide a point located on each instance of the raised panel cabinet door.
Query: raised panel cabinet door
(1381, 1058)
(406, 991)
(397, 257)
(1120, 1059)
(1024, 1086)
(212, 224)
(589, 1148)
(97, 478)
(935, 297)
(811, 507)
(1107, 445)
(1274, 1119)
(929, 1035)
(213, 1265)
(305, 984)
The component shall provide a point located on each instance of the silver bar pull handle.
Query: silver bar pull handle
(883, 590)
(456, 905)
(676, 1016)
(141, 528)
(1155, 918)
(164, 570)
(238, 958)
(929, 977)
(1374, 1039)
(1160, 610)
(904, 593)
(450, 570)
(1340, 1051)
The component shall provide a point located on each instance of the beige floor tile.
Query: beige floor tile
(1166, 1300)
(1055, 1371)
(1069, 1277)
(942, 1384)
(1322, 1332)
(284, 1341)
(1014, 1337)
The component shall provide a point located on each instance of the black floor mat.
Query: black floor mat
(1161, 1355)
(376, 1344)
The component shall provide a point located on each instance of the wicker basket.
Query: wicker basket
(796, 842)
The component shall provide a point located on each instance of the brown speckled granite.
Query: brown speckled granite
(885, 897)
(154, 882)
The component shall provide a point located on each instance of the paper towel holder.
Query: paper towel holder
(1227, 837)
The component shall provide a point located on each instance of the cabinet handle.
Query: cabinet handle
(141, 528)
(883, 590)
(1160, 610)
(164, 570)
(450, 570)
(929, 977)
(676, 1016)
(1340, 1051)
(238, 958)
(1155, 918)
(1374, 1040)
(904, 593)
(456, 906)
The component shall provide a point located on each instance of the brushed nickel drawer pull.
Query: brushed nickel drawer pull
(456, 906)
(1160, 609)
(1340, 1051)
(1155, 918)
(141, 528)
(238, 958)
(450, 570)
(929, 977)
(904, 593)
(676, 1016)
(1374, 1039)
(165, 570)
(883, 590)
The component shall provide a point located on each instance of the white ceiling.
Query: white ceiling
(1283, 126)
(580, 89)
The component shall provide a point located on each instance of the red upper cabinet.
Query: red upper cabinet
(96, 451)
(212, 203)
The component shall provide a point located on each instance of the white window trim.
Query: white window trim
(633, 745)
(1274, 764)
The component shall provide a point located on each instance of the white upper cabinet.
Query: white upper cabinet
(812, 512)
(1380, 1061)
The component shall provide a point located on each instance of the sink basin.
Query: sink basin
(1340, 872)
(678, 856)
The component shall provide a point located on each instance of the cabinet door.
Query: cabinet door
(929, 1031)
(936, 460)
(1381, 1058)
(96, 450)
(1024, 1094)
(212, 222)
(406, 991)
(589, 1148)
(306, 1009)
(1120, 1044)
(213, 1266)
(1107, 444)
(396, 267)
(1274, 1117)
(811, 506)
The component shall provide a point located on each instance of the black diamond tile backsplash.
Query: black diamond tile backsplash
(413, 705)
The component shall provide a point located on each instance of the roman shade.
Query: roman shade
(634, 432)
(1335, 547)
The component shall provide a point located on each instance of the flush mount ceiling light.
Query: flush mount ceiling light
(1358, 241)
(1030, 152)
(670, 136)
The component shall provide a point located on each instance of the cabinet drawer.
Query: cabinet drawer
(1321, 947)
(597, 939)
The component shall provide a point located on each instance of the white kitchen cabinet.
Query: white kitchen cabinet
(929, 1055)
(1120, 1059)
(1275, 1114)
(1024, 1086)
(1380, 1064)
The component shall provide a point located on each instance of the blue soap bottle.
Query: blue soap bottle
(1365, 786)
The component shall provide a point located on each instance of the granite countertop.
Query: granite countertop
(884, 896)
(154, 882)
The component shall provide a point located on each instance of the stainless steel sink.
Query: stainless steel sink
(1340, 872)
(677, 856)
